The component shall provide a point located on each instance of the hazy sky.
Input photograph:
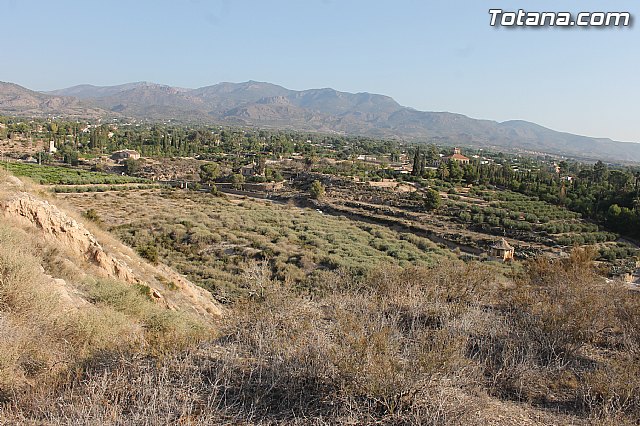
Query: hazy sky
(436, 55)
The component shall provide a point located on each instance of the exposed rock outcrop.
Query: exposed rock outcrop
(58, 229)
(61, 229)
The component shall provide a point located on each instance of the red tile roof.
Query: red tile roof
(457, 157)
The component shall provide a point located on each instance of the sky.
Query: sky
(436, 55)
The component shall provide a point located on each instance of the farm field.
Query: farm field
(525, 217)
(214, 241)
(54, 175)
(473, 218)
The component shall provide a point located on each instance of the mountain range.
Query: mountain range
(261, 104)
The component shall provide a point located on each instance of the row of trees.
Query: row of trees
(181, 140)
(607, 196)
(610, 197)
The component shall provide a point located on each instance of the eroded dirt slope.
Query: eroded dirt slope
(86, 250)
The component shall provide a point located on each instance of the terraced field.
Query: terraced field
(46, 175)
(216, 240)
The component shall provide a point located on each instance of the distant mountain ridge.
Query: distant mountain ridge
(16, 100)
(254, 103)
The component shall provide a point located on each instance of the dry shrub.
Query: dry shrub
(613, 389)
(391, 353)
(567, 340)
(42, 338)
(626, 308)
(385, 348)
(277, 353)
(387, 367)
(398, 333)
(28, 344)
(562, 306)
(545, 321)
(119, 390)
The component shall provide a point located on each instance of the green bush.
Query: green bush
(149, 252)
(92, 215)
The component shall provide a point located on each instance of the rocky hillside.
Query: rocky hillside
(72, 296)
(87, 254)
(16, 100)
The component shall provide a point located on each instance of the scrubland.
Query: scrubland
(214, 240)
(360, 335)
(44, 340)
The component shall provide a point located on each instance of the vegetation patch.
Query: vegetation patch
(212, 239)
(58, 175)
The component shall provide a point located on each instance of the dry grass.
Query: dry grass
(567, 340)
(397, 346)
(363, 352)
(42, 337)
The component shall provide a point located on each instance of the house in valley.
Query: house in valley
(502, 250)
(125, 154)
(457, 156)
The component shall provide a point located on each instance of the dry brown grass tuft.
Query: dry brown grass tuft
(397, 346)
(43, 338)
(27, 340)
(566, 340)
